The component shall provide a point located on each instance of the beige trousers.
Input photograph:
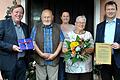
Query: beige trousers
(43, 71)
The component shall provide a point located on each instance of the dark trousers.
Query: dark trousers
(18, 72)
(110, 71)
(61, 71)
(79, 76)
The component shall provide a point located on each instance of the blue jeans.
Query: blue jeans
(61, 71)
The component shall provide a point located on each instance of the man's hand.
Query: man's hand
(52, 57)
(115, 46)
(16, 48)
(45, 55)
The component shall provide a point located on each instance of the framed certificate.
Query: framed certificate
(103, 53)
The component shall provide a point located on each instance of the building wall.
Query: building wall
(3, 7)
(98, 9)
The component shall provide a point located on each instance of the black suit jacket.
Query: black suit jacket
(8, 38)
(100, 32)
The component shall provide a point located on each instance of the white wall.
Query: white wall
(96, 14)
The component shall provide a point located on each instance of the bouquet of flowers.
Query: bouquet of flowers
(75, 50)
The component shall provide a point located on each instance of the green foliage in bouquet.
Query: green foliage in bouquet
(75, 48)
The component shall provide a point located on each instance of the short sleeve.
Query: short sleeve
(33, 33)
(61, 37)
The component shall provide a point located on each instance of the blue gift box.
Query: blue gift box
(25, 44)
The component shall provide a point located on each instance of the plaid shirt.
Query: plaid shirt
(48, 42)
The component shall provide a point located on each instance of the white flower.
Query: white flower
(84, 45)
(72, 55)
(77, 48)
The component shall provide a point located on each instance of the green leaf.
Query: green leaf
(67, 55)
(77, 38)
(74, 59)
(68, 44)
(87, 43)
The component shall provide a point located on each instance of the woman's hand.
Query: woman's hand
(87, 51)
(64, 50)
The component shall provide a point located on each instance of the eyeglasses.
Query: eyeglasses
(80, 22)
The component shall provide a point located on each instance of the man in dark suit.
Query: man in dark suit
(13, 65)
(108, 31)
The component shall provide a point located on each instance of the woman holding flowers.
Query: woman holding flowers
(79, 47)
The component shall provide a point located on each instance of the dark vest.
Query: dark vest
(40, 42)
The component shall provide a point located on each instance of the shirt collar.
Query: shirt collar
(15, 24)
(47, 26)
(114, 20)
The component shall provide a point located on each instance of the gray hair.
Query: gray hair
(82, 16)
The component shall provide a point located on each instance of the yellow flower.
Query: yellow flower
(74, 44)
